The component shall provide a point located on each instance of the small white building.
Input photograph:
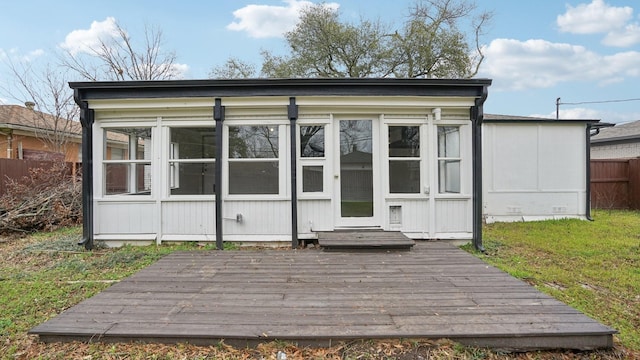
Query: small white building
(282, 159)
(535, 168)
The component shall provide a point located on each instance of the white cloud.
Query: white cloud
(593, 18)
(626, 37)
(518, 65)
(83, 40)
(599, 17)
(264, 21)
(180, 70)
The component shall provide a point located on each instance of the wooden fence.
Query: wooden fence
(615, 184)
(17, 169)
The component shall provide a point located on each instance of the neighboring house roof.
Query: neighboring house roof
(18, 117)
(627, 132)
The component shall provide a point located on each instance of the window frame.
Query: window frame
(423, 127)
(130, 163)
(173, 171)
(281, 159)
(459, 159)
(324, 161)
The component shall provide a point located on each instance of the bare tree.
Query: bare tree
(49, 100)
(118, 58)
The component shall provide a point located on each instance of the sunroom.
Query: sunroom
(280, 160)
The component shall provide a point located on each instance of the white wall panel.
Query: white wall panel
(562, 157)
(534, 171)
(266, 217)
(189, 218)
(316, 215)
(415, 215)
(114, 217)
(453, 215)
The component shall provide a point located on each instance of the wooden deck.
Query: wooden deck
(317, 298)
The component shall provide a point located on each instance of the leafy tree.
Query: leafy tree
(432, 42)
(233, 68)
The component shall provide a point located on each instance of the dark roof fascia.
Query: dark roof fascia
(279, 87)
(541, 121)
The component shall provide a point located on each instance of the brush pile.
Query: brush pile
(44, 200)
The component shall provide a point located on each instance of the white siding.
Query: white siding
(189, 218)
(615, 151)
(414, 215)
(314, 215)
(534, 171)
(120, 217)
(267, 217)
(453, 216)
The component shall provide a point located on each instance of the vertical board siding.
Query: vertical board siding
(415, 214)
(267, 217)
(189, 217)
(615, 184)
(453, 215)
(315, 215)
(120, 217)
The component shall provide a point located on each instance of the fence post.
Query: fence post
(634, 184)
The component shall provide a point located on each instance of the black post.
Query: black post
(588, 173)
(86, 119)
(218, 116)
(477, 115)
(292, 111)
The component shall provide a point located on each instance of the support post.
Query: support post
(292, 112)
(87, 117)
(218, 116)
(477, 116)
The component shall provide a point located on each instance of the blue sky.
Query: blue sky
(578, 50)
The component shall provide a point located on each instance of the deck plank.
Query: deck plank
(310, 296)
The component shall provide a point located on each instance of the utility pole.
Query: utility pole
(557, 108)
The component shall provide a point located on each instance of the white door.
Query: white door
(357, 179)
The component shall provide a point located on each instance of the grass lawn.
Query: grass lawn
(593, 266)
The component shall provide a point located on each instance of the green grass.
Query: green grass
(592, 266)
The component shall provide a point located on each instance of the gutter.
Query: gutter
(588, 172)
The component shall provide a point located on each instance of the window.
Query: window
(254, 159)
(127, 161)
(312, 158)
(404, 159)
(192, 153)
(449, 159)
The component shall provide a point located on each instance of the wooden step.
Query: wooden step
(364, 240)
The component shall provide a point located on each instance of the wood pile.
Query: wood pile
(44, 200)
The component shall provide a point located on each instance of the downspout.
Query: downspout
(218, 116)
(477, 113)
(292, 112)
(588, 173)
(87, 117)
